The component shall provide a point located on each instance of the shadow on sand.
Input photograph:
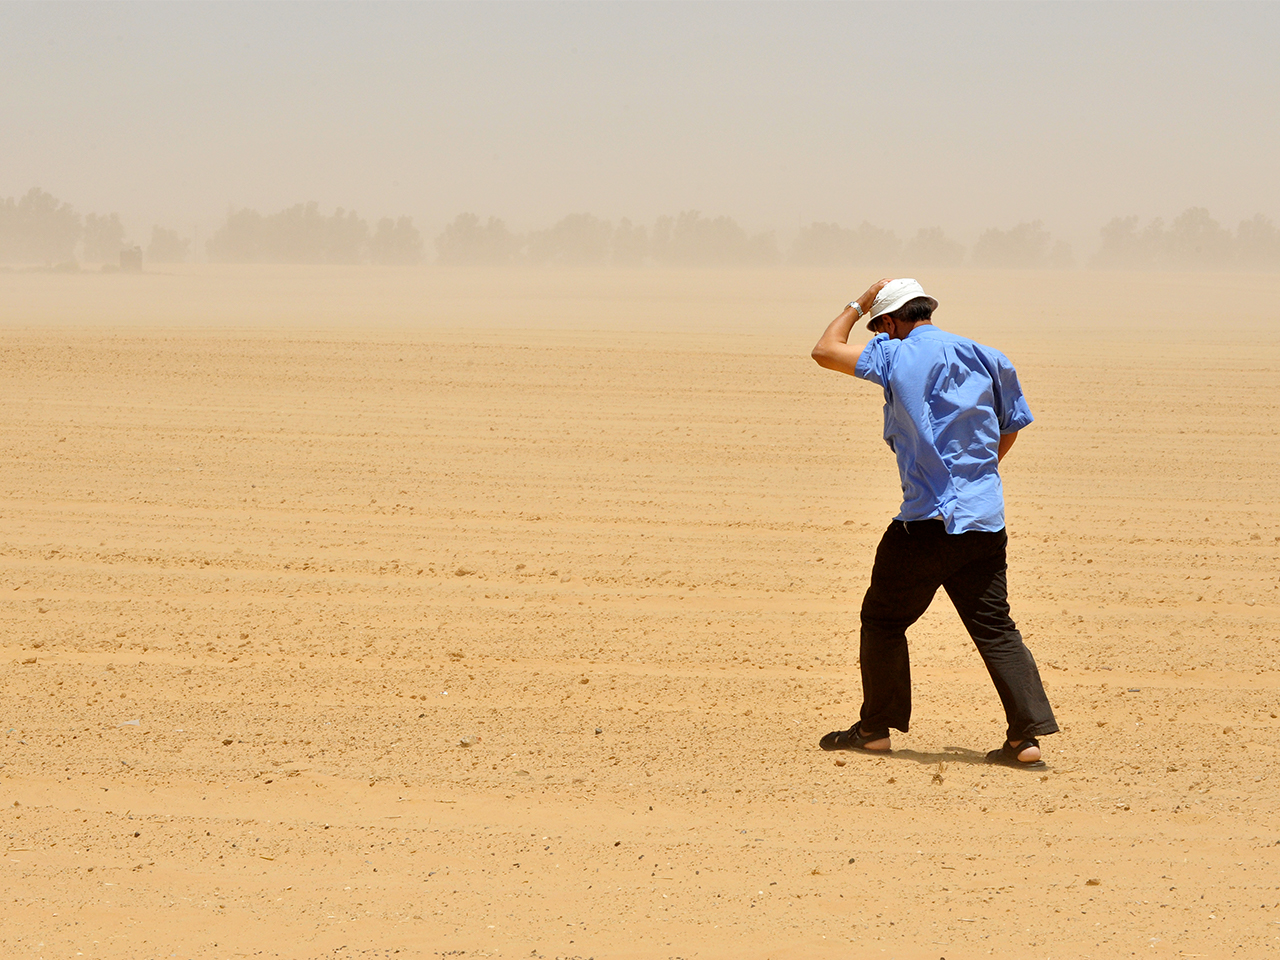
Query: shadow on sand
(945, 755)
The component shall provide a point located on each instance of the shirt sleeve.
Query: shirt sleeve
(1012, 409)
(873, 362)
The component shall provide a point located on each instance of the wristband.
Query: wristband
(857, 306)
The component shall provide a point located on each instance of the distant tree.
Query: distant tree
(396, 242)
(1025, 246)
(830, 245)
(38, 228)
(819, 245)
(103, 238)
(630, 244)
(660, 243)
(578, 239)
(239, 240)
(1153, 242)
(167, 247)
(1192, 241)
(1126, 247)
(1258, 244)
(467, 241)
(299, 234)
(1196, 240)
(346, 238)
(693, 240)
(302, 234)
(930, 247)
(295, 235)
(9, 236)
(1122, 248)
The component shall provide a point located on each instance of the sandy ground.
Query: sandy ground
(427, 613)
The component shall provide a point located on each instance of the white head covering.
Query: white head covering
(894, 294)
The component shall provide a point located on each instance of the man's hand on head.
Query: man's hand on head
(833, 350)
(869, 296)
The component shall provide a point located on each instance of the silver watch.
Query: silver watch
(857, 306)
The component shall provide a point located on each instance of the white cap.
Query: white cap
(894, 294)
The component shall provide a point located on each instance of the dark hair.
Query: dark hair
(916, 310)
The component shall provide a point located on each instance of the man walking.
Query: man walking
(952, 410)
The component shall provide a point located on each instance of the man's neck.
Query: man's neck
(906, 330)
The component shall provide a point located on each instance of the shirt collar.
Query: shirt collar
(921, 330)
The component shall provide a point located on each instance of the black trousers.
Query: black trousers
(912, 561)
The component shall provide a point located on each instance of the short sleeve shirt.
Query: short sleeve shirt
(947, 401)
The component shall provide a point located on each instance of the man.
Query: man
(952, 410)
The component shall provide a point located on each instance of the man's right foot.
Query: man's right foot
(855, 739)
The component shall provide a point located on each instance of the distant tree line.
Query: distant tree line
(1192, 241)
(38, 228)
(583, 240)
(302, 234)
(694, 240)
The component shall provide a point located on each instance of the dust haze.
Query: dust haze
(1060, 133)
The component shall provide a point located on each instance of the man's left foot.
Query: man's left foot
(1023, 755)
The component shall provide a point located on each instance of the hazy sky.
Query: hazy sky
(951, 114)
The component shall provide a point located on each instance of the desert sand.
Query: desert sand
(428, 613)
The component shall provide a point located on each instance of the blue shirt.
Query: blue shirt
(947, 400)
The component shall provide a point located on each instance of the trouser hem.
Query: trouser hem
(1038, 730)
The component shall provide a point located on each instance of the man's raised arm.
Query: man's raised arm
(833, 350)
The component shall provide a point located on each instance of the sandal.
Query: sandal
(1007, 755)
(852, 739)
